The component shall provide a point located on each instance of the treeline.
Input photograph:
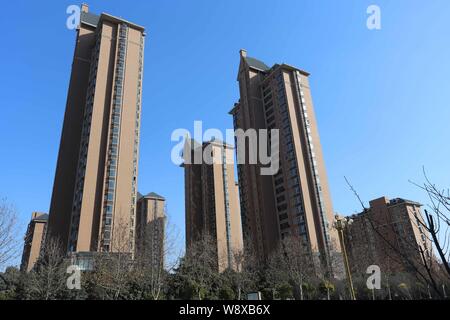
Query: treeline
(286, 275)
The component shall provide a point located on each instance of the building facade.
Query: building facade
(150, 229)
(388, 234)
(296, 200)
(211, 199)
(33, 240)
(93, 203)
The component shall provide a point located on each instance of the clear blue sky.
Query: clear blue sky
(382, 98)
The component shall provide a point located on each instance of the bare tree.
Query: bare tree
(437, 222)
(298, 261)
(291, 264)
(112, 268)
(47, 280)
(9, 244)
(199, 267)
(276, 273)
(246, 275)
(155, 258)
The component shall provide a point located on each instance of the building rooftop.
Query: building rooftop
(256, 64)
(390, 203)
(401, 200)
(152, 195)
(39, 216)
(92, 19)
(89, 19)
(218, 142)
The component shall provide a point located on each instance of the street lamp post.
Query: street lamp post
(340, 223)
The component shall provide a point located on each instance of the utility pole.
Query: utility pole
(340, 223)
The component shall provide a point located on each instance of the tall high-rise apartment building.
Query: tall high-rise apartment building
(150, 229)
(296, 200)
(33, 240)
(93, 204)
(211, 199)
(389, 234)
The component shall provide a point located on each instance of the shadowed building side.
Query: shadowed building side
(66, 167)
(34, 238)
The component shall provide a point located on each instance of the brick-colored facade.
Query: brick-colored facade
(388, 234)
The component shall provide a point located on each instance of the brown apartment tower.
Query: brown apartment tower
(211, 200)
(296, 200)
(93, 204)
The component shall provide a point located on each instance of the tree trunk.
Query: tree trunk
(301, 292)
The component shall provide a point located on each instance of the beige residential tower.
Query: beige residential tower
(93, 204)
(296, 200)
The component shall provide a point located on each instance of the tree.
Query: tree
(47, 280)
(111, 274)
(326, 287)
(291, 263)
(276, 273)
(9, 282)
(151, 267)
(298, 261)
(197, 275)
(437, 221)
(8, 241)
(247, 276)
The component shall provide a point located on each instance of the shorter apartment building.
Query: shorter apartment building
(150, 228)
(33, 240)
(211, 199)
(388, 234)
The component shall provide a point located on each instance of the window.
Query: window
(302, 228)
(293, 172)
(278, 181)
(279, 190)
(267, 98)
(284, 225)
